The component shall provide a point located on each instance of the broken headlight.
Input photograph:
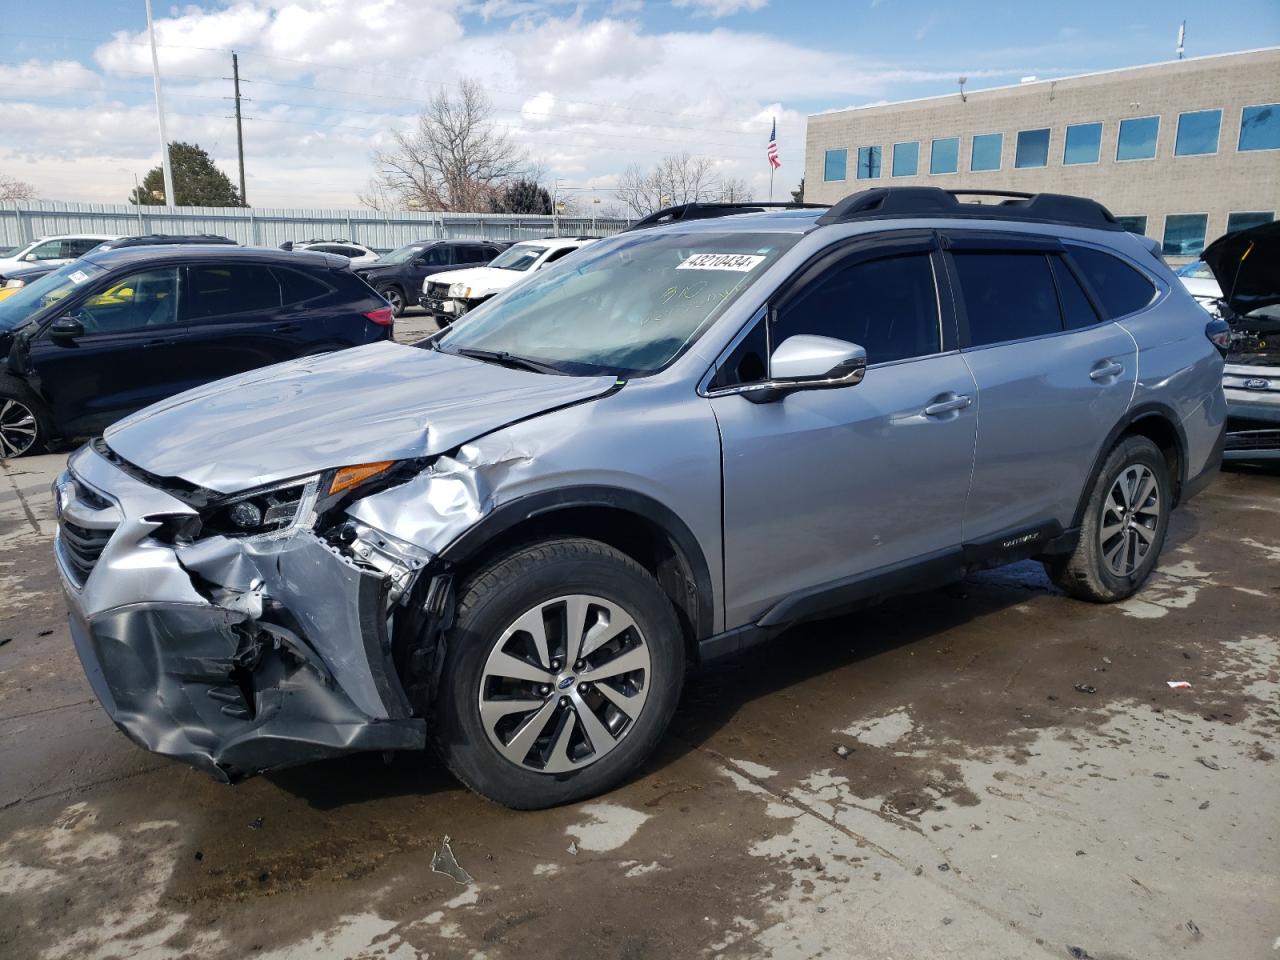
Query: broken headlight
(281, 509)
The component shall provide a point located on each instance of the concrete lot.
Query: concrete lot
(923, 780)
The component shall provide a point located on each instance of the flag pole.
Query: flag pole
(771, 166)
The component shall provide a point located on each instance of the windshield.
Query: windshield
(49, 289)
(1196, 269)
(625, 306)
(404, 254)
(519, 257)
(17, 253)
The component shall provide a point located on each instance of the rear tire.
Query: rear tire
(395, 297)
(25, 426)
(1125, 521)
(597, 717)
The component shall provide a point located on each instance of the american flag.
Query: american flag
(773, 147)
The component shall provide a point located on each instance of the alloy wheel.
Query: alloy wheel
(564, 684)
(394, 298)
(1130, 517)
(18, 428)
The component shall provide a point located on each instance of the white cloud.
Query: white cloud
(38, 78)
(721, 8)
(584, 90)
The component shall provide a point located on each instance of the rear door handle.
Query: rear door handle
(1106, 369)
(285, 327)
(946, 406)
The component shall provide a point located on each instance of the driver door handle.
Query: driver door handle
(946, 406)
(1105, 370)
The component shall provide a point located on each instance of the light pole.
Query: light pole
(169, 198)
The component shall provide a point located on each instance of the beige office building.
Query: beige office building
(1183, 151)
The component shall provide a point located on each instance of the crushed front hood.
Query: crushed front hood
(378, 402)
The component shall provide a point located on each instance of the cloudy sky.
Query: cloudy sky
(588, 87)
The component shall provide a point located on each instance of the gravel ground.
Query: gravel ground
(988, 771)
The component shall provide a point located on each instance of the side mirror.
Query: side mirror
(66, 329)
(30, 258)
(806, 362)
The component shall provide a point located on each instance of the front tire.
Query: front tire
(24, 422)
(561, 674)
(1125, 521)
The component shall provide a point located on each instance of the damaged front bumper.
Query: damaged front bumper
(236, 655)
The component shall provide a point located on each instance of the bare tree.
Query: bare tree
(454, 158)
(11, 188)
(678, 178)
(735, 190)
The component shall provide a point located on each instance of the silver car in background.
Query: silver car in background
(509, 541)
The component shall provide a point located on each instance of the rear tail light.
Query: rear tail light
(1219, 333)
(383, 316)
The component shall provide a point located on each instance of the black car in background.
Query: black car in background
(115, 331)
(398, 276)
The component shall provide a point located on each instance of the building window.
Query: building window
(986, 151)
(1260, 127)
(1197, 133)
(906, 159)
(1136, 225)
(868, 163)
(1246, 221)
(1083, 144)
(834, 165)
(1033, 148)
(1184, 234)
(944, 155)
(1137, 140)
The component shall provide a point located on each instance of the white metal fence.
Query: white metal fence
(25, 220)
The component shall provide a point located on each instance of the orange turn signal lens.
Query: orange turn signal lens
(345, 478)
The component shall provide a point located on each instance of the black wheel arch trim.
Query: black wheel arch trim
(509, 515)
(1142, 411)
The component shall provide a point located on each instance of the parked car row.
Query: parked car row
(447, 296)
(399, 275)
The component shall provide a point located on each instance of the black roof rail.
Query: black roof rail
(880, 202)
(705, 211)
(163, 239)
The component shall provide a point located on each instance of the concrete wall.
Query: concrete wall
(1225, 182)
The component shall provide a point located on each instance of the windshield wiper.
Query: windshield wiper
(502, 358)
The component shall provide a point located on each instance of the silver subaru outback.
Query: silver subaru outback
(511, 540)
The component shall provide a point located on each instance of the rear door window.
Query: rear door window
(224, 289)
(1120, 288)
(1007, 296)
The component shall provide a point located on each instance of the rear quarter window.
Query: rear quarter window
(1119, 288)
(297, 287)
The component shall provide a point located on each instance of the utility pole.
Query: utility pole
(235, 73)
(1182, 38)
(169, 198)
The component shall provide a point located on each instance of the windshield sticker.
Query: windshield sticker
(78, 276)
(738, 262)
